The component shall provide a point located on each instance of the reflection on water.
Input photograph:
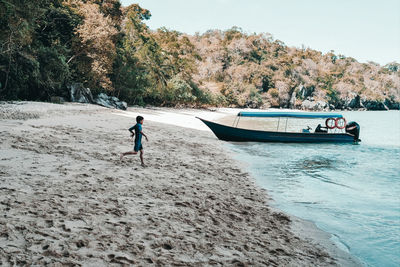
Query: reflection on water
(314, 164)
(351, 191)
(317, 167)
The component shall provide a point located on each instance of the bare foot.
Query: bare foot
(143, 165)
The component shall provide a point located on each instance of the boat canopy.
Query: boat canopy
(290, 114)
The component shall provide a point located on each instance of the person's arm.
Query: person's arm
(130, 130)
(144, 136)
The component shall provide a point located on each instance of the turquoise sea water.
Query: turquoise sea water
(350, 191)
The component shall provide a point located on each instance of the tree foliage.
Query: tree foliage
(35, 41)
(47, 45)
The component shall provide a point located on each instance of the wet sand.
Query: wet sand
(67, 199)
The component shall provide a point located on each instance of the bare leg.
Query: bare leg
(141, 157)
(127, 153)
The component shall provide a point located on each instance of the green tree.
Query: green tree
(16, 29)
(34, 45)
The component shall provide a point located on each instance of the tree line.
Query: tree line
(47, 45)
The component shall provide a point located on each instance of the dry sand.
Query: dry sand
(67, 199)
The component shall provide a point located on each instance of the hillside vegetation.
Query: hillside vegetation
(48, 45)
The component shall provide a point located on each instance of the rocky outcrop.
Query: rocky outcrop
(80, 94)
(391, 104)
(314, 105)
(374, 105)
(305, 92)
(110, 102)
(352, 102)
(292, 101)
(303, 98)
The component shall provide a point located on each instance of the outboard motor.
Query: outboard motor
(353, 128)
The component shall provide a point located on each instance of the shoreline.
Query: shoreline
(308, 230)
(193, 207)
(301, 227)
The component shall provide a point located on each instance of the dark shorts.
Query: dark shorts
(137, 147)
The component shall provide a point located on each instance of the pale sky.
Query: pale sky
(367, 30)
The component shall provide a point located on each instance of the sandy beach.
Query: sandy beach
(67, 199)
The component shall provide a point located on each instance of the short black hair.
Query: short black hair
(139, 119)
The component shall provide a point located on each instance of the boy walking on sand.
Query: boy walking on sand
(138, 139)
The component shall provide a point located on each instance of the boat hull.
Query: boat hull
(228, 133)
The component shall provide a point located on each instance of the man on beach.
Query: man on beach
(138, 139)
